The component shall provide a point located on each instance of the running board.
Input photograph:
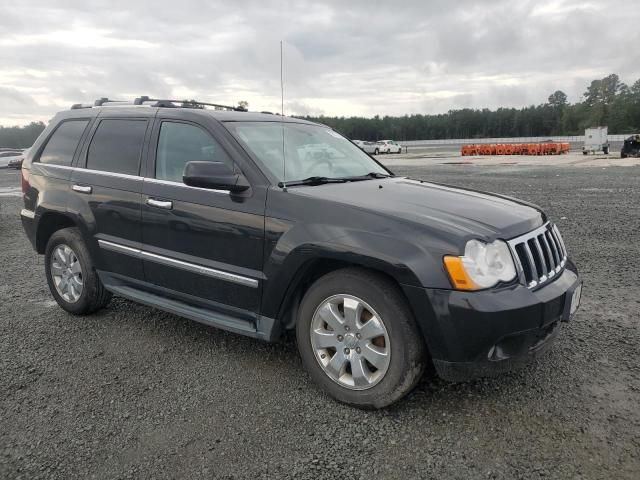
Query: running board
(265, 328)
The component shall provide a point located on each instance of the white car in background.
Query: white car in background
(388, 146)
(368, 147)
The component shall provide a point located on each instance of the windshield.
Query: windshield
(310, 150)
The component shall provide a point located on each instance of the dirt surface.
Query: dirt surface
(132, 392)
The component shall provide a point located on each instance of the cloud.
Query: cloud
(341, 58)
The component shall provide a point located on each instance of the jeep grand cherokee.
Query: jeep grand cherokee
(259, 224)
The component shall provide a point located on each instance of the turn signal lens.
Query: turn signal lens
(459, 277)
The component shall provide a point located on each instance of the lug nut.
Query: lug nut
(322, 356)
(358, 335)
(347, 351)
(358, 350)
(340, 338)
(347, 328)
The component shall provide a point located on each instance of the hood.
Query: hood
(461, 212)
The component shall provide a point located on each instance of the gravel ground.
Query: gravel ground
(132, 392)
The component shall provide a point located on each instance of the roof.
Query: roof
(147, 111)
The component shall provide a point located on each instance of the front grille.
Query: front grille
(540, 255)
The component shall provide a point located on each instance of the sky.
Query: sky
(343, 58)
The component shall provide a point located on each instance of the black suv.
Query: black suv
(259, 224)
(631, 147)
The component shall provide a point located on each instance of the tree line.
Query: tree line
(607, 101)
(20, 137)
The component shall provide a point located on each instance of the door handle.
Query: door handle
(167, 205)
(82, 189)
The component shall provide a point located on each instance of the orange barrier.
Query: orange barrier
(515, 149)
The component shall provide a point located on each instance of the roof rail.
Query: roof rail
(185, 104)
(157, 102)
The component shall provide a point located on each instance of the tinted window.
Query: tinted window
(180, 143)
(61, 146)
(116, 146)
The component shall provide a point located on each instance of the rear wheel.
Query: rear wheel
(358, 340)
(71, 275)
(376, 152)
(606, 150)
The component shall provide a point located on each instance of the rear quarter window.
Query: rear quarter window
(62, 144)
(116, 146)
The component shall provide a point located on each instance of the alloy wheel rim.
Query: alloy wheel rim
(66, 272)
(350, 342)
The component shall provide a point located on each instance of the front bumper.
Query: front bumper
(475, 334)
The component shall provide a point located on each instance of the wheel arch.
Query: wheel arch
(49, 223)
(309, 271)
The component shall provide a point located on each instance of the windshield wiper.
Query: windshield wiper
(368, 176)
(322, 180)
(312, 181)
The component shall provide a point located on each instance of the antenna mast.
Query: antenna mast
(284, 161)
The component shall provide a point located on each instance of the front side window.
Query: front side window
(309, 150)
(116, 146)
(180, 143)
(62, 144)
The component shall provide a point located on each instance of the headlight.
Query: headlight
(482, 266)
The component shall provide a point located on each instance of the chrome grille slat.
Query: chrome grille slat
(532, 264)
(554, 248)
(543, 262)
(556, 232)
(547, 247)
(540, 255)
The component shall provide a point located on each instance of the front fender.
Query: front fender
(405, 261)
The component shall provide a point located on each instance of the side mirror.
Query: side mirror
(215, 176)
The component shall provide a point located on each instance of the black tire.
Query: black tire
(584, 152)
(407, 352)
(623, 155)
(94, 296)
(376, 152)
(606, 150)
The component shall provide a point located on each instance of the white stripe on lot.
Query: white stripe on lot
(10, 192)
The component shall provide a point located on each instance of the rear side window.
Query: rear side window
(62, 144)
(116, 146)
(180, 143)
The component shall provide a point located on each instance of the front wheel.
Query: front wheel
(358, 339)
(606, 150)
(72, 278)
(376, 152)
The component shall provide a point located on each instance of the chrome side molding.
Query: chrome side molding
(172, 262)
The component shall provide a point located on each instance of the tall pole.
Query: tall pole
(284, 162)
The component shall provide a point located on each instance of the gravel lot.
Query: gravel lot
(132, 392)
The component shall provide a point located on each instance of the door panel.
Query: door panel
(205, 243)
(207, 229)
(108, 192)
(112, 212)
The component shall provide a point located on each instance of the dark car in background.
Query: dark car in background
(631, 147)
(11, 158)
(259, 224)
(16, 161)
